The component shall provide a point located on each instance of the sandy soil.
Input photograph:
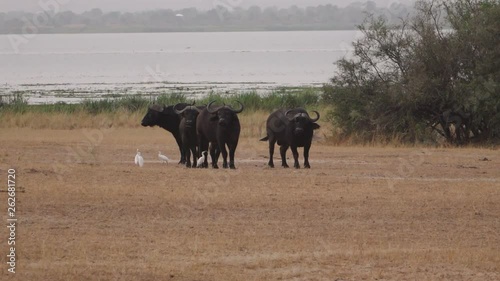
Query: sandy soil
(87, 213)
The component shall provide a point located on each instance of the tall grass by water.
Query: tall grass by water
(253, 101)
(127, 111)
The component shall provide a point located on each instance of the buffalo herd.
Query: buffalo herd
(198, 129)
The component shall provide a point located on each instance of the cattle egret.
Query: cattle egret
(138, 159)
(201, 160)
(163, 158)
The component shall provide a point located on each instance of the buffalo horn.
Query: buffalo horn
(179, 111)
(286, 114)
(317, 116)
(213, 110)
(239, 110)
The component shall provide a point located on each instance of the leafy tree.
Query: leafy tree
(434, 74)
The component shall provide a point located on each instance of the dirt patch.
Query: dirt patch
(88, 213)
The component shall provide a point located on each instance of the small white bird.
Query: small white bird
(163, 158)
(138, 159)
(201, 160)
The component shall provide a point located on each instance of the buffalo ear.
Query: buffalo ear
(315, 126)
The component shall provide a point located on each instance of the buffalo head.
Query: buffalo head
(302, 121)
(225, 113)
(152, 117)
(189, 113)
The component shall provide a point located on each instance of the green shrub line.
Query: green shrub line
(418, 83)
(253, 101)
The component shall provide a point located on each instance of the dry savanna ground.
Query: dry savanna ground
(361, 213)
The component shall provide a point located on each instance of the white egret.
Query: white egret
(138, 159)
(163, 158)
(201, 160)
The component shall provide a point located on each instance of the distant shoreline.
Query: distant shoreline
(222, 18)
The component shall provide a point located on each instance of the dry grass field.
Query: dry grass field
(361, 213)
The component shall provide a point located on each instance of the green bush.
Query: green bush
(414, 81)
(252, 100)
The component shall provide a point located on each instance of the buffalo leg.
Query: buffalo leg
(283, 150)
(197, 151)
(181, 149)
(217, 154)
(188, 157)
(295, 157)
(272, 142)
(222, 148)
(306, 156)
(214, 153)
(232, 150)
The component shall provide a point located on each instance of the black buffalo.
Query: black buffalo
(220, 126)
(290, 128)
(166, 118)
(187, 129)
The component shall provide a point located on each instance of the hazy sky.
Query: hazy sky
(140, 5)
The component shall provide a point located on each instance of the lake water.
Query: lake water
(99, 63)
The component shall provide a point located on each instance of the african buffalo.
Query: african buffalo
(290, 128)
(187, 129)
(166, 118)
(220, 126)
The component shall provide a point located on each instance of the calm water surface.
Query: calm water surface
(107, 61)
